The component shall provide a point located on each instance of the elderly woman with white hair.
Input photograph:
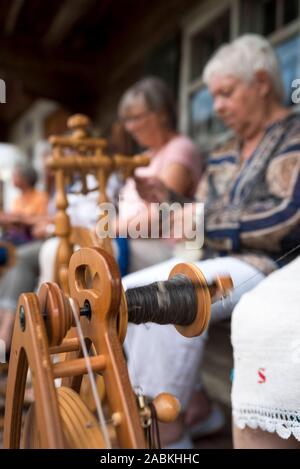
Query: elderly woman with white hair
(252, 217)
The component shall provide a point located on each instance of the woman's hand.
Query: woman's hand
(8, 218)
(43, 229)
(151, 189)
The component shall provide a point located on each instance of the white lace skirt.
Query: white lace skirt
(266, 342)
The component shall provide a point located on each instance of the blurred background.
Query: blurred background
(58, 57)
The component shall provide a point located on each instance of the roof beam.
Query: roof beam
(58, 79)
(16, 54)
(139, 35)
(66, 18)
(12, 17)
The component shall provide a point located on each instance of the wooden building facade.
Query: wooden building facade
(82, 54)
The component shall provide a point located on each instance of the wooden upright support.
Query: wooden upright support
(80, 154)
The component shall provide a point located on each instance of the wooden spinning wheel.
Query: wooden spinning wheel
(98, 306)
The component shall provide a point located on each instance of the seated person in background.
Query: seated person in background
(266, 345)
(147, 111)
(251, 215)
(26, 209)
(29, 211)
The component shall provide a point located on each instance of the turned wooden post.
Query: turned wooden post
(81, 154)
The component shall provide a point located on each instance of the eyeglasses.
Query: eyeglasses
(135, 118)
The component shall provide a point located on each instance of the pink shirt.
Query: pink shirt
(179, 149)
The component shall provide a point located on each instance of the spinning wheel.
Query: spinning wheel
(97, 308)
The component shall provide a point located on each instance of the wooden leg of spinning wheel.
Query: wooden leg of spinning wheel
(30, 349)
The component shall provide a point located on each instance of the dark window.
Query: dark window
(205, 42)
(269, 17)
(289, 58)
(291, 11)
(163, 62)
(278, 13)
(203, 121)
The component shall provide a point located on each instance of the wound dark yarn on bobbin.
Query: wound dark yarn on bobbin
(171, 302)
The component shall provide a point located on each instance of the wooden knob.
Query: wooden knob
(167, 407)
(79, 124)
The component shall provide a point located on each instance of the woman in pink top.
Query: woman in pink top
(148, 112)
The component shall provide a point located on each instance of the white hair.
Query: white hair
(242, 58)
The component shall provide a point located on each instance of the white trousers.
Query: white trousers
(47, 260)
(159, 358)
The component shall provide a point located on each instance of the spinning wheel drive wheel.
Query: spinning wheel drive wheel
(79, 426)
(42, 322)
(99, 309)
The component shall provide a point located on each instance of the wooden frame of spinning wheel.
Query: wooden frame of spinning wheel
(40, 330)
(88, 157)
(34, 340)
